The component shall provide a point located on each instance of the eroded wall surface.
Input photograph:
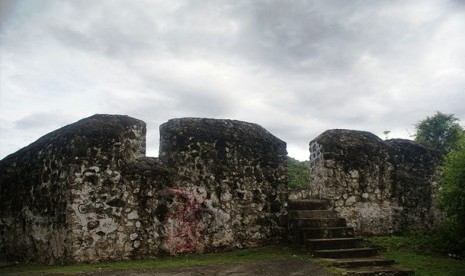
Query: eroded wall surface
(233, 175)
(55, 193)
(380, 187)
(87, 193)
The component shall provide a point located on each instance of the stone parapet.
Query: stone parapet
(236, 171)
(87, 193)
(380, 187)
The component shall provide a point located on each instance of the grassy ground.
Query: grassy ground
(424, 254)
(239, 256)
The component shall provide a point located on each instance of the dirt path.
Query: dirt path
(270, 268)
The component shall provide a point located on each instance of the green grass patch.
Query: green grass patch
(238, 256)
(329, 266)
(424, 254)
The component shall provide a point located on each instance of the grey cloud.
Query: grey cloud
(110, 30)
(202, 103)
(137, 29)
(295, 36)
(42, 120)
(6, 8)
(295, 67)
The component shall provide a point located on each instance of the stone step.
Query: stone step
(379, 270)
(315, 214)
(346, 253)
(308, 204)
(328, 232)
(360, 262)
(318, 222)
(336, 243)
(321, 230)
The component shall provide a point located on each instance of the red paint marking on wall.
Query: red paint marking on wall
(185, 227)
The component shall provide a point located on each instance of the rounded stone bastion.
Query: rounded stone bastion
(237, 170)
(379, 186)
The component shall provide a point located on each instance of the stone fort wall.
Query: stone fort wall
(380, 187)
(87, 193)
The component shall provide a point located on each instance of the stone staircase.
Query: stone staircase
(316, 228)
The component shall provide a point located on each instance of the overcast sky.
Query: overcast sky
(297, 68)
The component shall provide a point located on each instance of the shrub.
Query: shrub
(298, 174)
(452, 197)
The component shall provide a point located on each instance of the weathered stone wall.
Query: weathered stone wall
(379, 186)
(415, 184)
(55, 193)
(146, 180)
(86, 193)
(34, 195)
(102, 210)
(233, 174)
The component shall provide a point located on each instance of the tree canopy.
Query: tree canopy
(443, 132)
(440, 131)
(298, 174)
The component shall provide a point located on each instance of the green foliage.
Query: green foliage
(422, 253)
(443, 132)
(452, 197)
(298, 174)
(440, 131)
(426, 265)
(420, 244)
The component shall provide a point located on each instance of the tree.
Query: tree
(452, 196)
(298, 174)
(440, 131)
